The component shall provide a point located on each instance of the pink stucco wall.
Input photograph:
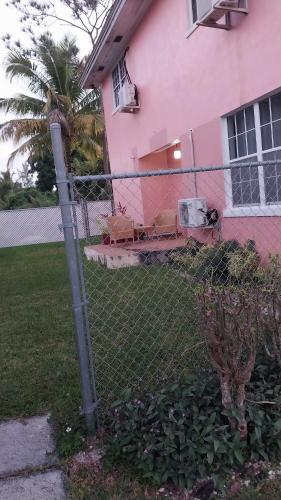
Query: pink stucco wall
(190, 83)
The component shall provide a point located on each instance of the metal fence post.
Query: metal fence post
(85, 218)
(86, 379)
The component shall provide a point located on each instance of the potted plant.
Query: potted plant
(120, 209)
(104, 233)
(101, 222)
(105, 236)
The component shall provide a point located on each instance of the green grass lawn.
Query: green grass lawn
(142, 323)
(37, 356)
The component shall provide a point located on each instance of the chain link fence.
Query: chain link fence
(162, 233)
(31, 226)
(137, 247)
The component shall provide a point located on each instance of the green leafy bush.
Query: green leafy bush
(220, 263)
(181, 433)
(207, 262)
(244, 263)
(183, 258)
(30, 198)
(269, 307)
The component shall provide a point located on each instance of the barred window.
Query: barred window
(118, 79)
(254, 134)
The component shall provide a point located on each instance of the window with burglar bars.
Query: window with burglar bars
(254, 134)
(118, 79)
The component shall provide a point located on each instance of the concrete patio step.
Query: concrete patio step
(132, 254)
(112, 257)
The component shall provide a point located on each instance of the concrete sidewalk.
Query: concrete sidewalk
(29, 467)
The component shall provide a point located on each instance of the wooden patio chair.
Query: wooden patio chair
(166, 222)
(120, 227)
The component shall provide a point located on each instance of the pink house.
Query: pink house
(208, 79)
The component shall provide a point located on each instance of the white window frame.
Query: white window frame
(120, 82)
(263, 209)
(191, 25)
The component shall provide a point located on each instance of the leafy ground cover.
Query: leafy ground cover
(180, 434)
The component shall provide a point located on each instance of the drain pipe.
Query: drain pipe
(191, 141)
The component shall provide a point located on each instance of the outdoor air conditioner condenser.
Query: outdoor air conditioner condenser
(192, 212)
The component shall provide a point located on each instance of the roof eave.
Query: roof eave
(122, 21)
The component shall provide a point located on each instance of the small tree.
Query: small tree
(87, 16)
(230, 327)
(25, 177)
(7, 188)
(43, 166)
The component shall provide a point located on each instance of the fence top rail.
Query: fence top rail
(13, 210)
(176, 171)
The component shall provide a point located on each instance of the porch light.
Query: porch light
(177, 154)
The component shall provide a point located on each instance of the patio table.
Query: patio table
(146, 230)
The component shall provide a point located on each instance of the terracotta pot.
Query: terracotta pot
(105, 239)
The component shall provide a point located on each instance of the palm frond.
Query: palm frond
(88, 145)
(60, 62)
(91, 123)
(33, 146)
(90, 102)
(19, 66)
(22, 105)
(17, 130)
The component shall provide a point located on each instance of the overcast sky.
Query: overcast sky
(9, 22)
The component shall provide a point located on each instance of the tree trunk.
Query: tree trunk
(227, 397)
(240, 404)
(106, 162)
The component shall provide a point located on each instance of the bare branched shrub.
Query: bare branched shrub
(270, 307)
(230, 327)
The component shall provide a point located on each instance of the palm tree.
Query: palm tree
(7, 187)
(55, 95)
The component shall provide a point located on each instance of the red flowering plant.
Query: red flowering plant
(118, 210)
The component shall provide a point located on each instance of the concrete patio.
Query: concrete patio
(142, 252)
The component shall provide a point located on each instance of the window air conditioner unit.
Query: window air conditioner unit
(192, 212)
(219, 9)
(128, 98)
